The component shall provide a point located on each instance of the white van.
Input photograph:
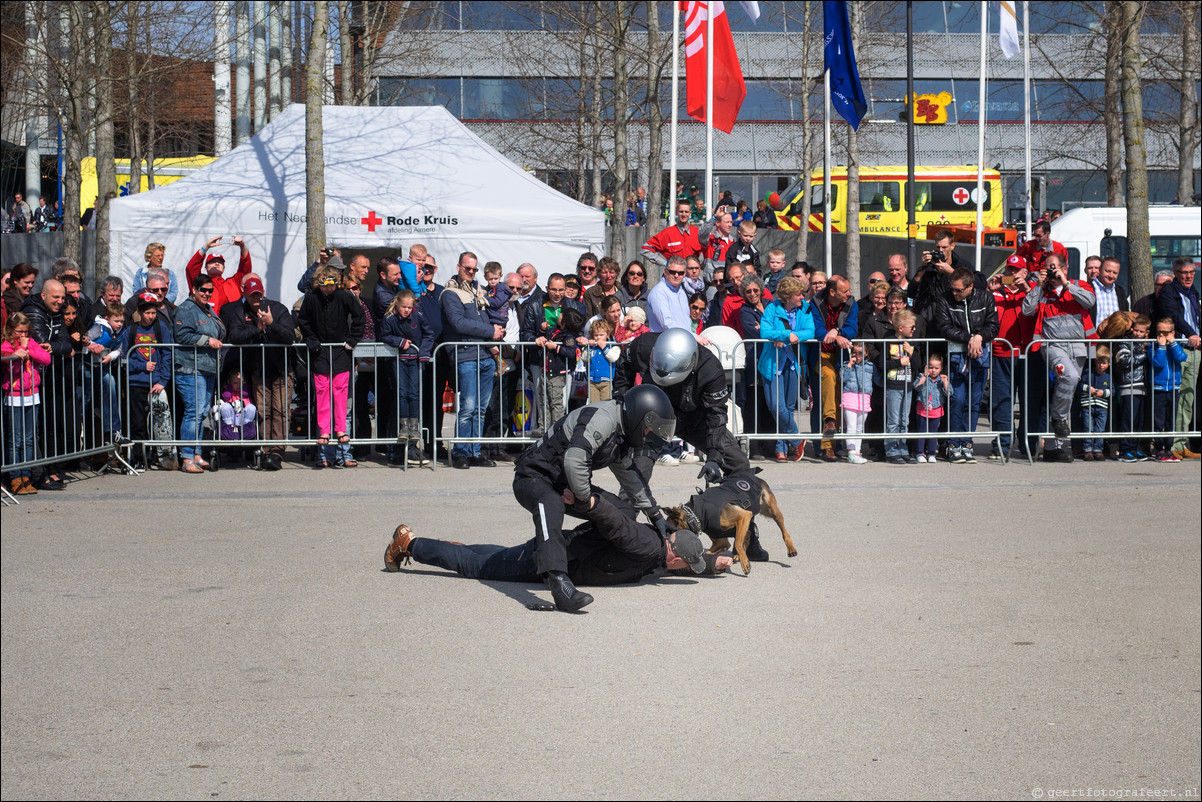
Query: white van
(1102, 231)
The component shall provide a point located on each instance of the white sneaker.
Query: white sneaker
(922, 457)
(667, 459)
(855, 458)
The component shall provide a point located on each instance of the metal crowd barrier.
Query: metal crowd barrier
(61, 427)
(1130, 416)
(279, 380)
(757, 422)
(522, 400)
(88, 408)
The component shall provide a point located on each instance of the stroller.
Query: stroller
(232, 419)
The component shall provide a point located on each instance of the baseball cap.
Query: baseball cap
(1016, 262)
(687, 546)
(215, 257)
(147, 298)
(252, 286)
(336, 262)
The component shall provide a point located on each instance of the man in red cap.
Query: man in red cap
(224, 289)
(263, 328)
(1014, 335)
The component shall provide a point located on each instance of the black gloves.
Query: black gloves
(659, 520)
(711, 472)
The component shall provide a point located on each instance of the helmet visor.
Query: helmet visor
(661, 429)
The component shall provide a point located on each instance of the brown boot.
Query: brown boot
(15, 485)
(27, 488)
(398, 550)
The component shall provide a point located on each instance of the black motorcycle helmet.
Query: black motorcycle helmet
(647, 407)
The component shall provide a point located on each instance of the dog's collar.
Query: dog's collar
(691, 519)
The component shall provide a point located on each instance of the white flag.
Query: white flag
(1008, 33)
(752, 7)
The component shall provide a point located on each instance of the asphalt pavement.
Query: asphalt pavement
(946, 631)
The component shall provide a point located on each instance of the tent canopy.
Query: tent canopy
(394, 176)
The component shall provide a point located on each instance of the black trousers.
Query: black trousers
(545, 505)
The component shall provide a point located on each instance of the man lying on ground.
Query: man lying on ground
(610, 548)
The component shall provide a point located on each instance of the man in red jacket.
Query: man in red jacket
(224, 289)
(1036, 249)
(679, 240)
(1007, 372)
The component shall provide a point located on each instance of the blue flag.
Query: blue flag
(847, 96)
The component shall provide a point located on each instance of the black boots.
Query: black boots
(567, 598)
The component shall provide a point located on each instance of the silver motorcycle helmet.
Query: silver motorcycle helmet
(674, 357)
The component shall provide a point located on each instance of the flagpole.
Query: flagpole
(981, 134)
(826, 176)
(709, 108)
(911, 201)
(1027, 106)
(675, 106)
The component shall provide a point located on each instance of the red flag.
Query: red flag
(729, 89)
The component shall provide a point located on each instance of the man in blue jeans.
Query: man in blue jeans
(465, 315)
(966, 316)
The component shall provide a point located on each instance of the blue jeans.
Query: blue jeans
(968, 385)
(781, 398)
(409, 384)
(475, 388)
(897, 418)
(1093, 420)
(196, 390)
(100, 380)
(20, 428)
(1002, 382)
(513, 564)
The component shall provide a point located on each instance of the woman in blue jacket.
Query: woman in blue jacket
(789, 323)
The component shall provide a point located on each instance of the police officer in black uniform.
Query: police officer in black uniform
(698, 389)
(608, 433)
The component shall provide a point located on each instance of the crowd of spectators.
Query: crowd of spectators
(921, 353)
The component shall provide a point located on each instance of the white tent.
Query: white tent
(394, 176)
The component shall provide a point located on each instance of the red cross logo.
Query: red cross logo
(960, 196)
(371, 221)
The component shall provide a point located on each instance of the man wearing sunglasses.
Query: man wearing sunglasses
(465, 320)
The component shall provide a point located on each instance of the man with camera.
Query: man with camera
(1063, 312)
(938, 265)
(257, 321)
(225, 288)
(966, 316)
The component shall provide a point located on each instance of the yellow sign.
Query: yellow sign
(930, 109)
(166, 171)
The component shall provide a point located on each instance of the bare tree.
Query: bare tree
(346, 90)
(1187, 121)
(1112, 116)
(106, 164)
(655, 120)
(1139, 248)
(315, 163)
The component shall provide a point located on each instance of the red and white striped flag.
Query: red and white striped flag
(729, 89)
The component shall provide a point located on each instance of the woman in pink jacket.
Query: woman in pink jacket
(23, 360)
